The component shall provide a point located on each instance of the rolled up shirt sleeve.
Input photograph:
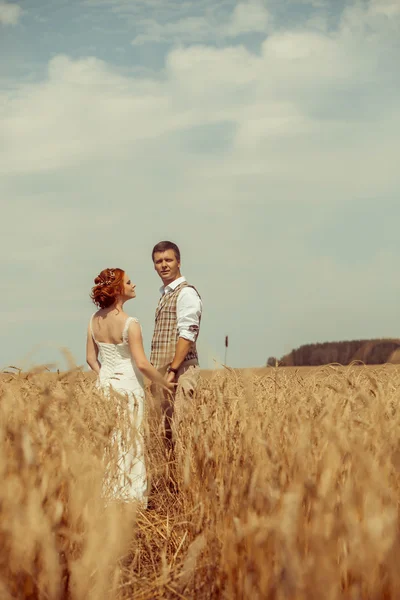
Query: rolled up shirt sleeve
(188, 308)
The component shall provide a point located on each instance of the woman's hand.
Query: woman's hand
(170, 376)
(171, 386)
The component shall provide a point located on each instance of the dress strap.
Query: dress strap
(126, 327)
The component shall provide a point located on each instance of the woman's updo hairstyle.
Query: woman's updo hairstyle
(108, 285)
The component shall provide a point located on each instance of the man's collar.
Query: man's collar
(171, 286)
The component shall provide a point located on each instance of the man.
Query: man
(177, 326)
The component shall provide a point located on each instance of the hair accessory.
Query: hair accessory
(111, 277)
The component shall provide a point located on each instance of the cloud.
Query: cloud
(306, 99)
(9, 13)
(182, 30)
(388, 8)
(244, 18)
(247, 17)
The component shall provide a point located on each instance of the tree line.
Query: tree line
(369, 352)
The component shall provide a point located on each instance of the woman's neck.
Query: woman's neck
(119, 305)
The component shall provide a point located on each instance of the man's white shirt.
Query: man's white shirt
(188, 309)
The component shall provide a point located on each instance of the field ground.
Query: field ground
(284, 484)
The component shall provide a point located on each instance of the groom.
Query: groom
(177, 326)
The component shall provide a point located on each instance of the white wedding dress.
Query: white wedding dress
(119, 372)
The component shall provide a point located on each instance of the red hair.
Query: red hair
(108, 285)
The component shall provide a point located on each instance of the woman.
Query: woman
(115, 352)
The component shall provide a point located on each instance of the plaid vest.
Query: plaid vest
(166, 333)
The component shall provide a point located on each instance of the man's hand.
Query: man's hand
(170, 377)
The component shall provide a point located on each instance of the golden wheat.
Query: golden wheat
(288, 487)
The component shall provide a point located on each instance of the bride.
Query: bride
(115, 352)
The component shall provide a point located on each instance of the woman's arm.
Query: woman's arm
(92, 353)
(135, 340)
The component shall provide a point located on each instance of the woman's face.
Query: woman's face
(129, 288)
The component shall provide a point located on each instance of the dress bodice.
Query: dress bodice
(118, 367)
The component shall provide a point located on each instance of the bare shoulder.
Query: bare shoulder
(134, 329)
(94, 317)
(134, 324)
(133, 321)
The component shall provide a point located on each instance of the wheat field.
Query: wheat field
(286, 486)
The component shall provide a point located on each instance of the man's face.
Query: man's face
(167, 266)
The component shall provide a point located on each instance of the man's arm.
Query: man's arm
(188, 308)
(181, 350)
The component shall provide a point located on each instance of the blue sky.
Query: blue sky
(262, 137)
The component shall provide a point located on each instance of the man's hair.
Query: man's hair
(163, 246)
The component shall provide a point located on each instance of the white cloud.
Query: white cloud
(183, 30)
(247, 17)
(306, 99)
(389, 8)
(9, 13)
(244, 18)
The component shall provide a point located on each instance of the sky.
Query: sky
(261, 136)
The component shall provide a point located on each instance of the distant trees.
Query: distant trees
(272, 361)
(370, 352)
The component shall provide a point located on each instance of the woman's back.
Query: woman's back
(108, 327)
(118, 368)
